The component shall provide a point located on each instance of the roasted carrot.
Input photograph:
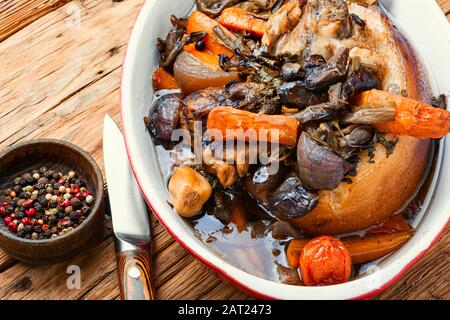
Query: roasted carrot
(293, 252)
(362, 250)
(162, 80)
(391, 225)
(201, 22)
(207, 57)
(374, 247)
(413, 118)
(237, 19)
(325, 261)
(235, 124)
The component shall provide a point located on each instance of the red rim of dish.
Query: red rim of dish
(220, 271)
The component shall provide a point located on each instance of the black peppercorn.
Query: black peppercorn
(30, 180)
(200, 45)
(52, 204)
(86, 210)
(74, 217)
(42, 170)
(55, 176)
(20, 215)
(23, 195)
(21, 234)
(17, 189)
(37, 228)
(22, 182)
(62, 215)
(48, 234)
(28, 230)
(48, 174)
(42, 201)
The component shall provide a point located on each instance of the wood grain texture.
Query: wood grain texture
(17, 14)
(58, 81)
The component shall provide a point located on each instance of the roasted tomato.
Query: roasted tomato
(325, 261)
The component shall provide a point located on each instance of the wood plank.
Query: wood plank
(17, 14)
(428, 279)
(445, 6)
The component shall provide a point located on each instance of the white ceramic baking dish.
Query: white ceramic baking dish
(421, 21)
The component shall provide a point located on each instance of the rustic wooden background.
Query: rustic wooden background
(60, 70)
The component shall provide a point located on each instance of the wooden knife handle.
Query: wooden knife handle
(134, 275)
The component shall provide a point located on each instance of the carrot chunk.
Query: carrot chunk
(413, 118)
(207, 57)
(375, 247)
(362, 250)
(201, 22)
(391, 225)
(235, 124)
(162, 80)
(293, 252)
(237, 19)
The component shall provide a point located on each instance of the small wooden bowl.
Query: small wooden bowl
(61, 156)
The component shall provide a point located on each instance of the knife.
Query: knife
(130, 220)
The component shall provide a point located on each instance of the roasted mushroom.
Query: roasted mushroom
(262, 183)
(226, 173)
(320, 74)
(359, 137)
(319, 167)
(292, 199)
(214, 8)
(324, 111)
(292, 71)
(361, 80)
(164, 117)
(189, 191)
(296, 95)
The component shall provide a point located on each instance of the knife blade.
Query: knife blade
(131, 225)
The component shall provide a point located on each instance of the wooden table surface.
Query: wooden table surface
(60, 71)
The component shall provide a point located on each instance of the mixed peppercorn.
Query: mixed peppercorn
(44, 203)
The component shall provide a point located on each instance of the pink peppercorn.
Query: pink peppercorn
(79, 196)
(12, 227)
(7, 220)
(66, 203)
(30, 212)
